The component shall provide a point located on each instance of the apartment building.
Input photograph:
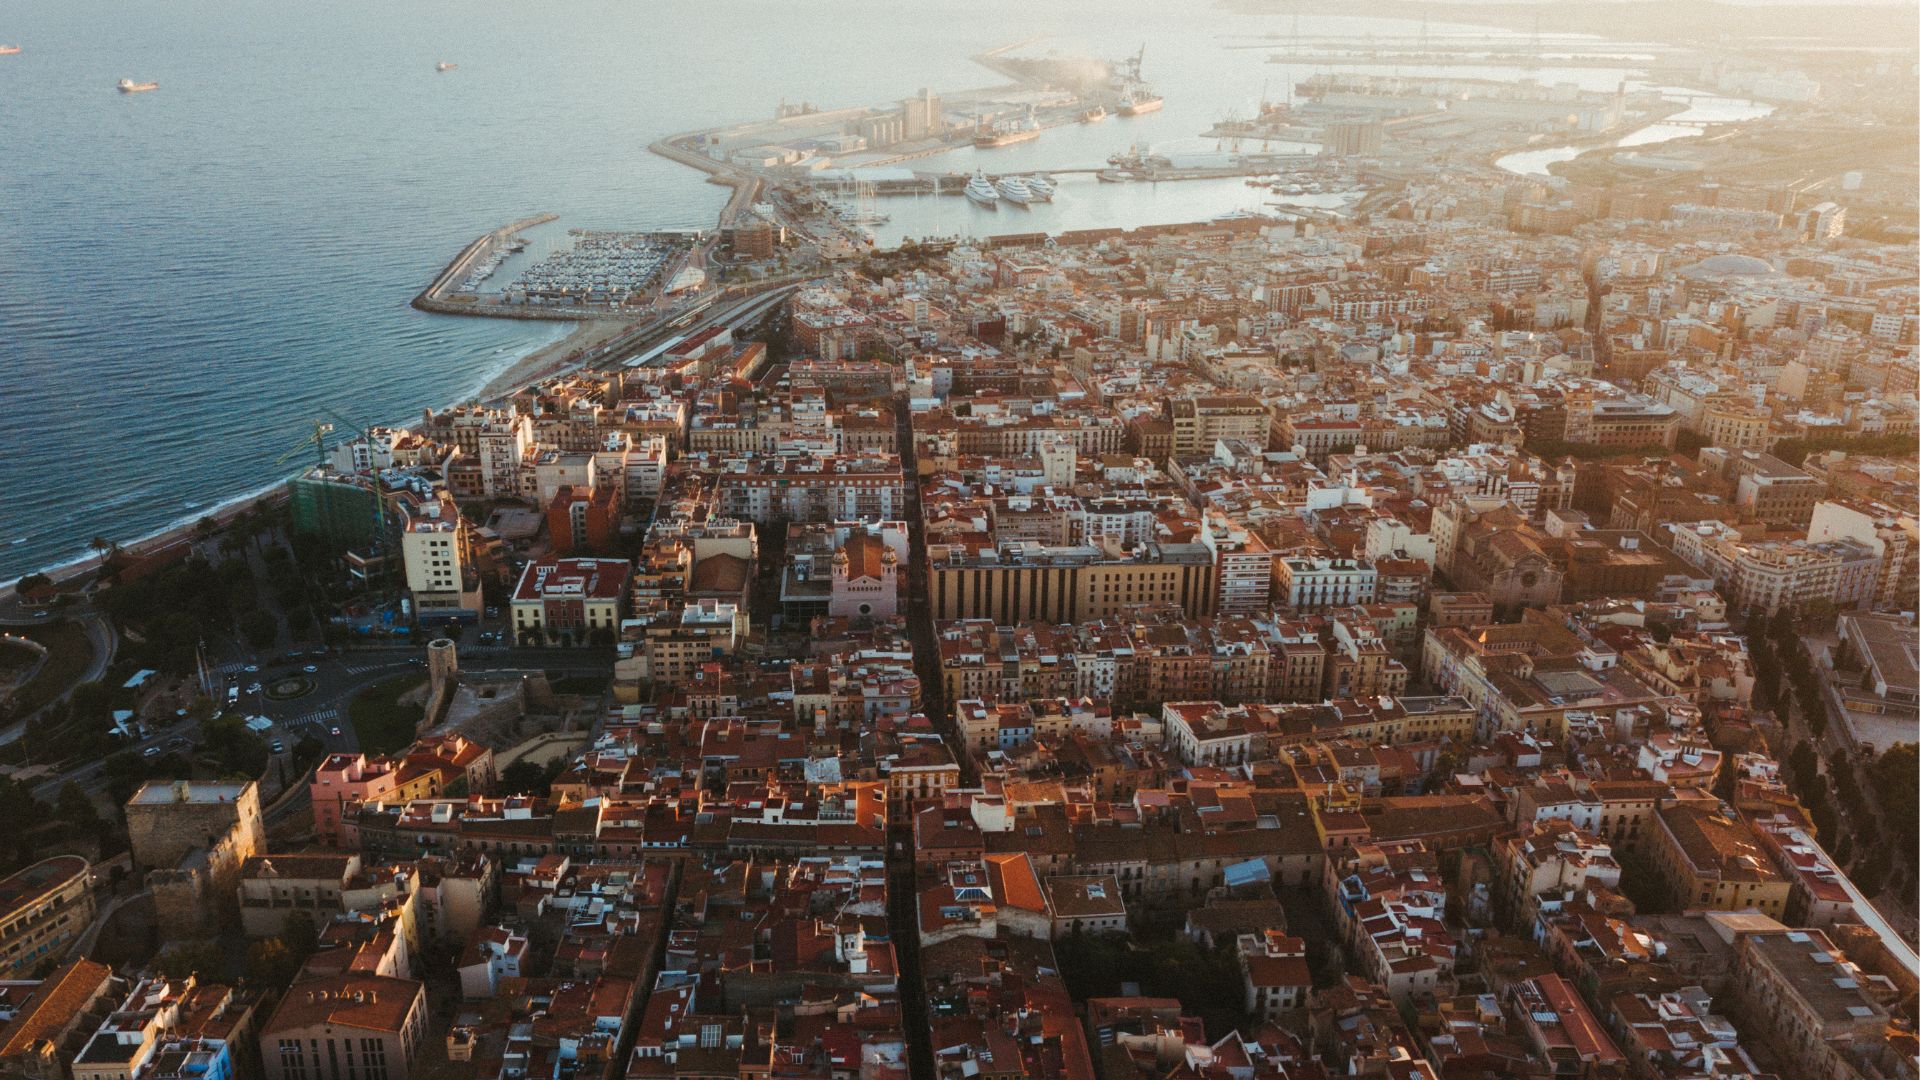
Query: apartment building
(346, 1027)
(44, 908)
(1710, 860)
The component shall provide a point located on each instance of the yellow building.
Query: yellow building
(1712, 861)
(1067, 585)
(43, 909)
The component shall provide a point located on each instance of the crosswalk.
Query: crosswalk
(321, 718)
(362, 669)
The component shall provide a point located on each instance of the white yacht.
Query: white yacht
(1041, 187)
(1015, 190)
(983, 193)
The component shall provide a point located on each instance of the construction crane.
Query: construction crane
(317, 440)
(322, 430)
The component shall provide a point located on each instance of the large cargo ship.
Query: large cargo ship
(988, 140)
(1135, 96)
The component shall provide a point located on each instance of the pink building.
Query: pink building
(342, 783)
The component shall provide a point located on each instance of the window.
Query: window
(373, 1059)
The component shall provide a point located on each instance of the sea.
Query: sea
(191, 278)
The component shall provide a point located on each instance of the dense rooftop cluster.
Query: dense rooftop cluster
(1232, 650)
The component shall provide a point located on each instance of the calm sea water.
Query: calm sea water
(189, 277)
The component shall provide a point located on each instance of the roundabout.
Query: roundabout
(294, 686)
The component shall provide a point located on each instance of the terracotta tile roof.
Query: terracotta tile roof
(367, 1002)
(61, 998)
(1015, 882)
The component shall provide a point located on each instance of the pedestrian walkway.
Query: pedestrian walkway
(320, 718)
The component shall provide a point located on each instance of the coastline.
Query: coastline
(530, 367)
(550, 359)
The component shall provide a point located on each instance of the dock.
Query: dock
(440, 298)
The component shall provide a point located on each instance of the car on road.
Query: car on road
(177, 742)
(333, 731)
(311, 669)
(254, 688)
(151, 751)
(278, 747)
(251, 669)
(42, 614)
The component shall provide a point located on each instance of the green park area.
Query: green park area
(380, 721)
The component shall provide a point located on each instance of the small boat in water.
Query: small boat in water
(9, 50)
(128, 86)
(444, 66)
(1094, 115)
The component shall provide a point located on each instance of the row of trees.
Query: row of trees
(1783, 672)
(1841, 800)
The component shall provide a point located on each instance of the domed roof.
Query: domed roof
(1729, 266)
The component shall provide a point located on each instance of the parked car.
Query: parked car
(333, 731)
(311, 669)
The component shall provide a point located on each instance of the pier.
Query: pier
(439, 295)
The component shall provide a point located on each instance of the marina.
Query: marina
(601, 269)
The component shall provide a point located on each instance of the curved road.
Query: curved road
(100, 634)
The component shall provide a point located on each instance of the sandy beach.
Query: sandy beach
(551, 359)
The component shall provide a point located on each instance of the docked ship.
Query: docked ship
(128, 86)
(9, 50)
(1094, 115)
(444, 66)
(1015, 190)
(1135, 96)
(1140, 100)
(1041, 188)
(1006, 135)
(982, 192)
